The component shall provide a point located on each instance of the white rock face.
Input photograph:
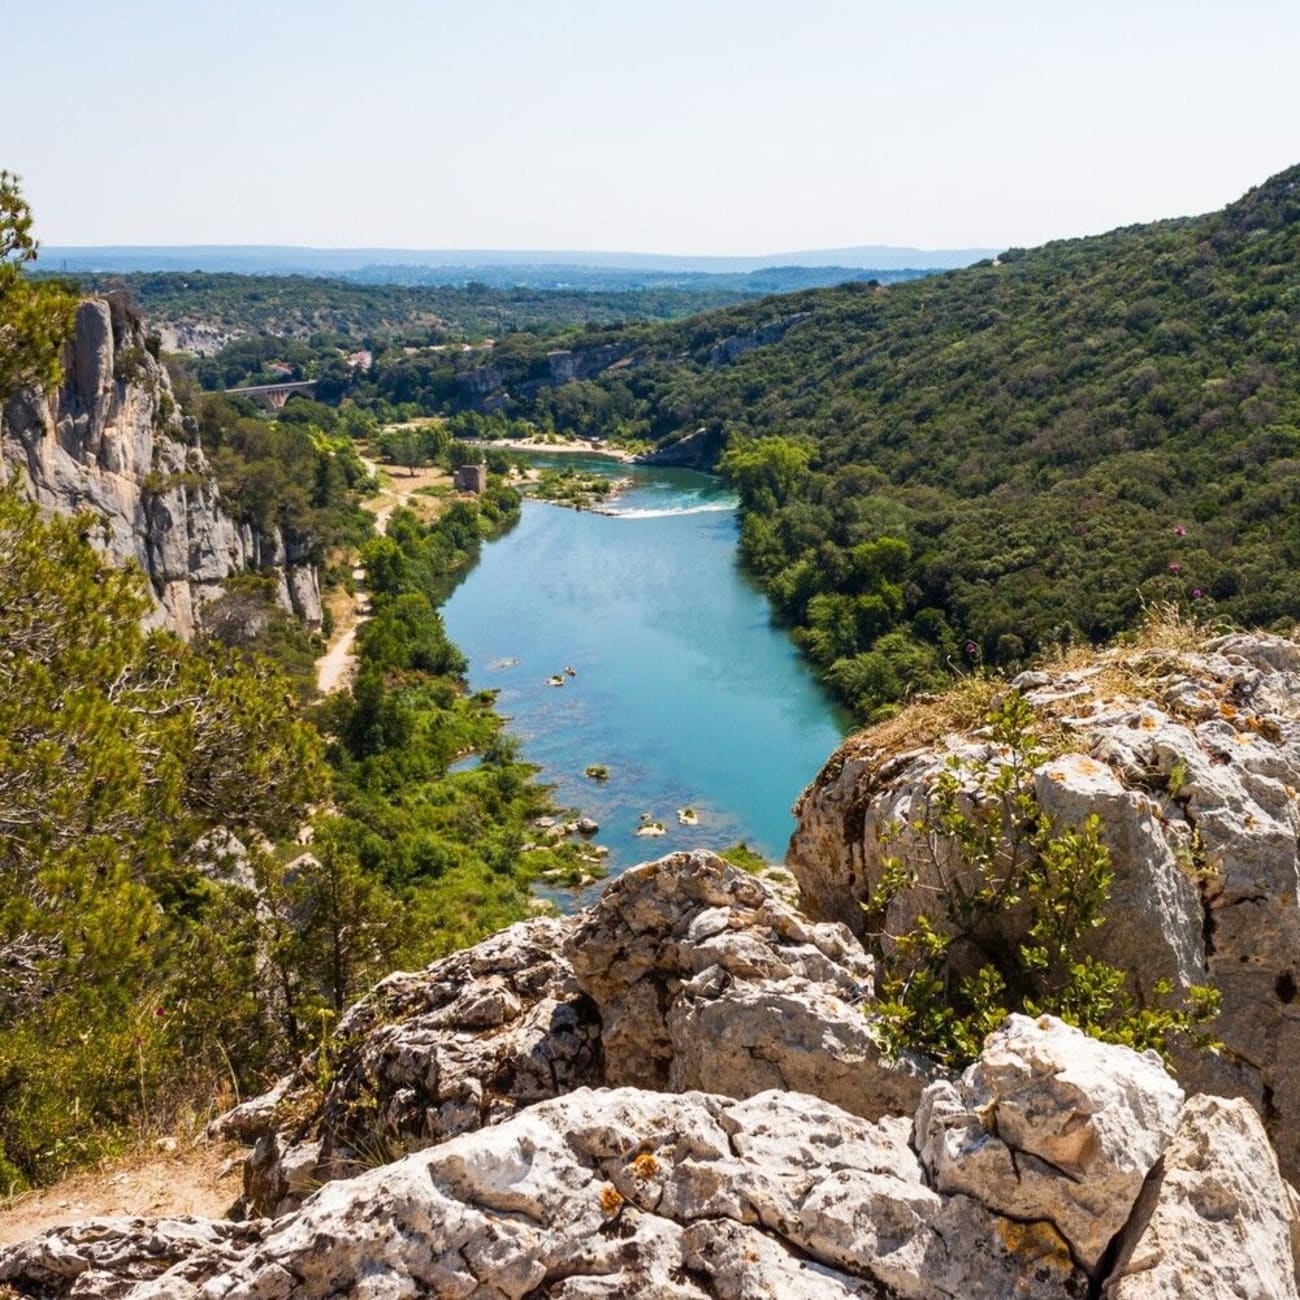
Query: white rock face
(1215, 1221)
(461, 1151)
(688, 974)
(117, 447)
(1051, 1124)
(706, 980)
(1047, 1145)
(1192, 762)
(623, 1193)
(465, 1043)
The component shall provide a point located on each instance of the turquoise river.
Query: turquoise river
(684, 688)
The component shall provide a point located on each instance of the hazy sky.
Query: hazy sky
(681, 126)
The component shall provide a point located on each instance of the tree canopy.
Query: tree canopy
(35, 318)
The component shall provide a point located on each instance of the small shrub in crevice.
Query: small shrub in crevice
(999, 904)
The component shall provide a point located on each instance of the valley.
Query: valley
(446, 784)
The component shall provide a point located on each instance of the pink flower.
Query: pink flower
(160, 1011)
(1180, 531)
(1175, 567)
(1196, 593)
(971, 647)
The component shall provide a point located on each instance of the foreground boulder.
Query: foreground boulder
(1049, 1123)
(1215, 1218)
(1191, 760)
(687, 974)
(467, 1042)
(623, 1193)
(706, 980)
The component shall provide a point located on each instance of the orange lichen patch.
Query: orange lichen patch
(1036, 1243)
(645, 1166)
(1148, 723)
(1056, 776)
(611, 1200)
(1227, 710)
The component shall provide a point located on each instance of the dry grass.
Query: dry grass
(1165, 626)
(928, 718)
(1125, 670)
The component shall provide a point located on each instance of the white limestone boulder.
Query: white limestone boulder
(1052, 1125)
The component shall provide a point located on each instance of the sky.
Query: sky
(668, 126)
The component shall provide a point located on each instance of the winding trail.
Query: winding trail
(335, 667)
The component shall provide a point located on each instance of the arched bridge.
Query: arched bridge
(274, 396)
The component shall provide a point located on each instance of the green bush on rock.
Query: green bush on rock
(993, 913)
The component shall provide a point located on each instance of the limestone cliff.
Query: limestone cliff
(112, 441)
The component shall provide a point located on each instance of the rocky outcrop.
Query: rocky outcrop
(463, 1044)
(564, 365)
(629, 1193)
(728, 350)
(705, 980)
(1215, 1218)
(492, 384)
(1047, 1125)
(111, 441)
(698, 450)
(1192, 762)
(687, 974)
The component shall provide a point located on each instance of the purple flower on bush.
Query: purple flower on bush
(1196, 593)
(1175, 567)
(1180, 531)
(971, 647)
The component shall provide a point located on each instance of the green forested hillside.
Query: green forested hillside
(966, 468)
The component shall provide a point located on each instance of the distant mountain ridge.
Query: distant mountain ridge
(285, 259)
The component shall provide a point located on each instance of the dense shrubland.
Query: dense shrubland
(198, 868)
(120, 751)
(134, 977)
(965, 469)
(998, 907)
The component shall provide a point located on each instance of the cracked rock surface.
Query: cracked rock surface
(687, 974)
(629, 1193)
(1004, 1186)
(1049, 1123)
(705, 979)
(465, 1043)
(1192, 762)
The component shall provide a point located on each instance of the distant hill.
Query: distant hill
(199, 311)
(457, 264)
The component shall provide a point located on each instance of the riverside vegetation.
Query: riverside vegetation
(163, 935)
(967, 469)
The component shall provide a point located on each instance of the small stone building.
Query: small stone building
(470, 478)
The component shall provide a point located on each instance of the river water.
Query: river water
(684, 689)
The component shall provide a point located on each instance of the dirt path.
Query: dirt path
(201, 1179)
(335, 667)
